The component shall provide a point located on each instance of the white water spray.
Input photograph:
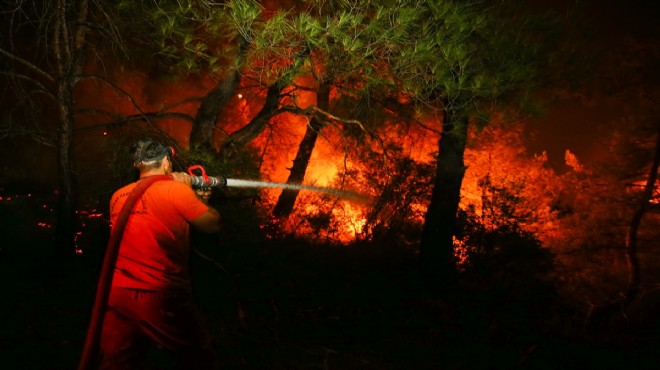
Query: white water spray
(213, 181)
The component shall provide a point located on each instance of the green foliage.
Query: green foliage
(467, 52)
(184, 35)
(244, 13)
(434, 50)
(342, 46)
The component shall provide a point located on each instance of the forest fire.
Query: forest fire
(397, 174)
(256, 100)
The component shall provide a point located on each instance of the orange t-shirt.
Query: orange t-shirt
(155, 249)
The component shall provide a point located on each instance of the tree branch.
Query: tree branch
(40, 86)
(125, 120)
(39, 136)
(31, 66)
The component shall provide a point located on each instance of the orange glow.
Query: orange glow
(322, 171)
(327, 161)
(461, 253)
(640, 185)
(503, 158)
(93, 213)
(333, 155)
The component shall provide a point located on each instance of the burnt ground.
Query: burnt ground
(290, 305)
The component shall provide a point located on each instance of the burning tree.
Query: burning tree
(282, 52)
(450, 60)
(370, 66)
(455, 61)
(329, 50)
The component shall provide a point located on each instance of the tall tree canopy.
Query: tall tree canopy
(450, 60)
(457, 59)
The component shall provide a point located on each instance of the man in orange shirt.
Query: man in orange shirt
(151, 297)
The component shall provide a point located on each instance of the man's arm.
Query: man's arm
(208, 222)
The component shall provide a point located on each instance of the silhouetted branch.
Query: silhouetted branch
(600, 314)
(39, 136)
(27, 64)
(40, 87)
(120, 120)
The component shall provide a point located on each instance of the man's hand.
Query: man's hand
(182, 177)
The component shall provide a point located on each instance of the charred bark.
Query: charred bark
(288, 197)
(256, 126)
(68, 45)
(437, 245)
(64, 233)
(203, 128)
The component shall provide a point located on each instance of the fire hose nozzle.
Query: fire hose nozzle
(208, 182)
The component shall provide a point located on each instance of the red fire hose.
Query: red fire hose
(90, 350)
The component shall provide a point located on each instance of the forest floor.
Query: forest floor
(277, 307)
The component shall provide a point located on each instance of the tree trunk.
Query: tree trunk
(287, 198)
(68, 49)
(203, 128)
(634, 276)
(437, 246)
(256, 126)
(64, 234)
(601, 314)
